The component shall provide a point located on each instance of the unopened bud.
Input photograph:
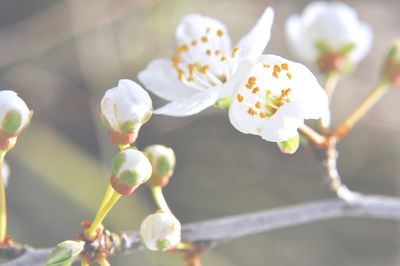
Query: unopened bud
(130, 169)
(124, 109)
(160, 231)
(330, 60)
(65, 253)
(14, 118)
(391, 65)
(162, 160)
(289, 146)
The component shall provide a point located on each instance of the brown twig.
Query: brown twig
(217, 231)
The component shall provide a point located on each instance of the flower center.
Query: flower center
(263, 102)
(205, 62)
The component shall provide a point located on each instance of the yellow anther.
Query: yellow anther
(252, 80)
(204, 39)
(289, 75)
(190, 78)
(208, 52)
(191, 68)
(220, 33)
(251, 112)
(218, 52)
(240, 98)
(275, 74)
(204, 69)
(266, 65)
(263, 115)
(235, 51)
(258, 105)
(277, 68)
(194, 43)
(285, 66)
(255, 90)
(222, 78)
(249, 86)
(181, 74)
(223, 59)
(176, 59)
(182, 48)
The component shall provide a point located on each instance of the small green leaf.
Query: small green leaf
(347, 48)
(11, 122)
(117, 162)
(322, 47)
(65, 253)
(128, 126)
(289, 146)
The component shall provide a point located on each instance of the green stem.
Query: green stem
(331, 81)
(91, 232)
(103, 262)
(159, 199)
(107, 196)
(3, 205)
(84, 263)
(360, 112)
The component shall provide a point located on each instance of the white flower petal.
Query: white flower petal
(283, 124)
(254, 43)
(365, 38)
(160, 78)
(191, 105)
(195, 26)
(298, 45)
(241, 73)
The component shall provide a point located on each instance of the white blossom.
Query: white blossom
(14, 114)
(328, 28)
(204, 60)
(272, 97)
(160, 231)
(126, 107)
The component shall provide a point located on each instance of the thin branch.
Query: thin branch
(213, 232)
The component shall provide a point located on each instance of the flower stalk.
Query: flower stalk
(3, 205)
(159, 199)
(313, 135)
(331, 81)
(105, 208)
(360, 112)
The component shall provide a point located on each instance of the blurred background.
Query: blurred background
(61, 56)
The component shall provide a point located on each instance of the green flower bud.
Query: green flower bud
(162, 160)
(14, 118)
(290, 146)
(391, 66)
(130, 169)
